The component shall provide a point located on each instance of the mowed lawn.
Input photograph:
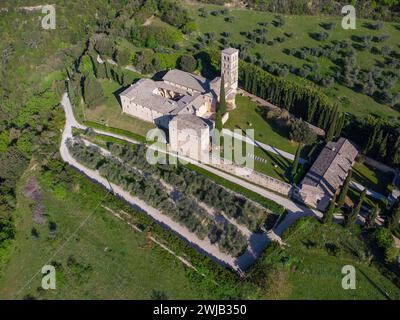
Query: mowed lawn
(110, 112)
(97, 256)
(301, 27)
(262, 161)
(248, 115)
(313, 260)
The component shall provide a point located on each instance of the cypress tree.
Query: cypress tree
(218, 121)
(345, 189)
(383, 147)
(222, 98)
(321, 116)
(327, 117)
(328, 215)
(371, 140)
(254, 84)
(296, 160)
(332, 126)
(340, 126)
(107, 70)
(351, 218)
(394, 216)
(370, 222)
(379, 136)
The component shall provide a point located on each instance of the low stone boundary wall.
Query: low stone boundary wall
(225, 118)
(254, 177)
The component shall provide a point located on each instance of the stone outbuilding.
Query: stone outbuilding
(327, 174)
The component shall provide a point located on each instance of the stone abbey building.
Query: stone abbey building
(183, 102)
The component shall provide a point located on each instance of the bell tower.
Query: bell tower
(229, 69)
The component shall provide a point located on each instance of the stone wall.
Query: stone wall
(225, 117)
(254, 177)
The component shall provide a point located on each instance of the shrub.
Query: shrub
(328, 25)
(105, 47)
(123, 57)
(320, 36)
(189, 27)
(376, 26)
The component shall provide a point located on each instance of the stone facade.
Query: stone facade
(190, 136)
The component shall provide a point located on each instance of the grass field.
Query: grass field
(273, 165)
(110, 113)
(310, 266)
(301, 27)
(98, 256)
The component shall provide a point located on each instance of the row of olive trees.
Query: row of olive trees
(200, 187)
(144, 184)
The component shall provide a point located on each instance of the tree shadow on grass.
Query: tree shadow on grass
(279, 129)
(380, 186)
(208, 70)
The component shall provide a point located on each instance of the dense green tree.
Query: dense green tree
(188, 63)
(345, 189)
(393, 216)
(328, 215)
(173, 13)
(86, 65)
(383, 147)
(218, 121)
(351, 218)
(105, 47)
(92, 92)
(384, 240)
(330, 134)
(122, 57)
(101, 71)
(303, 135)
(370, 221)
(296, 161)
(222, 98)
